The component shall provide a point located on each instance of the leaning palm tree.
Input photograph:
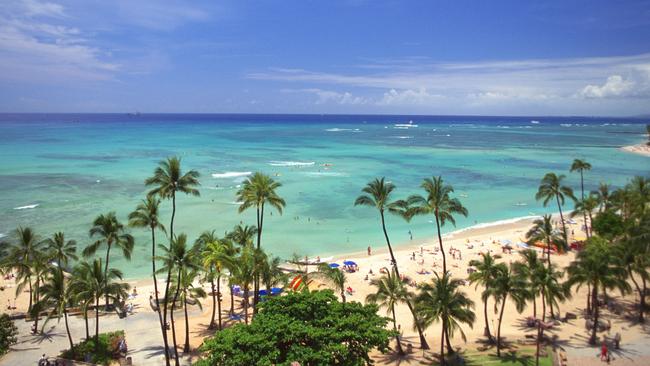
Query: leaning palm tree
(259, 191)
(61, 251)
(189, 295)
(439, 203)
(508, 284)
(147, 215)
(581, 166)
(551, 188)
(390, 292)
(23, 248)
(486, 271)
(56, 296)
(377, 194)
(334, 277)
(442, 300)
(599, 266)
(542, 231)
(216, 255)
(111, 233)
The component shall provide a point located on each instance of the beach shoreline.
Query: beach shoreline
(639, 149)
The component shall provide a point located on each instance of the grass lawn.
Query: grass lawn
(524, 356)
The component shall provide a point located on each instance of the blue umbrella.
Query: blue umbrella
(522, 244)
(276, 290)
(334, 265)
(349, 263)
(263, 293)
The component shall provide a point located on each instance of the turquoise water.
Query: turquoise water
(60, 171)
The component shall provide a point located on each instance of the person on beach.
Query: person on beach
(410, 235)
(604, 353)
(369, 250)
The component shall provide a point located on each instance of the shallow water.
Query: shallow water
(60, 171)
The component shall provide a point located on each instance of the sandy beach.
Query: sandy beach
(640, 149)
(470, 242)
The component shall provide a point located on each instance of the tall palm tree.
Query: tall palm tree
(243, 272)
(242, 235)
(147, 215)
(177, 257)
(189, 295)
(390, 292)
(439, 203)
(61, 251)
(586, 207)
(599, 266)
(552, 291)
(604, 197)
(486, 272)
(24, 246)
(111, 233)
(83, 290)
(39, 269)
(530, 268)
(258, 191)
(542, 231)
(217, 255)
(634, 252)
(508, 284)
(442, 300)
(57, 296)
(334, 277)
(168, 179)
(377, 193)
(581, 166)
(551, 188)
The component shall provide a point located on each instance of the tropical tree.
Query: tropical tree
(8, 333)
(551, 289)
(60, 250)
(147, 215)
(334, 277)
(604, 197)
(551, 188)
(242, 235)
(442, 300)
(542, 231)
(377, 194)
(168, 179)
(581, 166)
(56, 296)
(486, 272)
(508, 284)
(634, 251)
(258, 191)
(390, 291)
(598, 266)
(243, 272)
(23, 248)
(530, 268)
(39, 269)
(271, 274)
(586, 207)
(111, 233)
(189, 295)
(217, 255)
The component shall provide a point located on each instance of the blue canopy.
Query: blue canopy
(349, 263)
(522, 244)
(274, 291)
(505, 242)
(334, 265)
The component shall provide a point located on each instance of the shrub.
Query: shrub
(108, 349)
(8, 332)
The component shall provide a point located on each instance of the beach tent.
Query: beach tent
(334, 265)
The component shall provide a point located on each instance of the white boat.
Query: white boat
(534, 122)
(405, 125)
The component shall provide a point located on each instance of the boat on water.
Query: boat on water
(404, 125)
(535, 122)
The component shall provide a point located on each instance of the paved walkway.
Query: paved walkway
(144, 341)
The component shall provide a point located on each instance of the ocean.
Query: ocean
(60, 171)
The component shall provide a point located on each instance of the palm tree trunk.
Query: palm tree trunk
(423, 340)
(400, 351)
(486, 331)
(186, 349)
(539, 337)
(343, 295)
(108, 251)
(566, 237)
(534, 305)
(31, 294)
(86, 321)
(450, 349)
(155, 290)
(588, 298)
(219, 300)
(37, 310)
(97, 324)
(503, 306)
(594, 301)
(214, 304)
(232, 301)
(67, 329)
(591, 219)
(442, 344)
(246, 305)
(442, 249)
(171, 314)
(256, 287)
(582, 190)
(543, 308)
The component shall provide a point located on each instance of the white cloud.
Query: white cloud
(42, 8)
(329, 96)
(615, 86)
(410, 97)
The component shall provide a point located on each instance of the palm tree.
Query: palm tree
(271, 274)
(635, 254)
(177, 257)
(586, 207)
(581, 166)
(598, 266)
(390, 292)
(377, 194)
(550, 188)
(217, 255)
(508, 284)
(440, 204)
(189, 295)
(604, 198)
(242, 272)
(61, 251)
(442, 300)
(21, 253)
(551, 289)
(258, 191)
(242, 235)
(83, 290)
(147, 215)
(57, 296)
(334, 277)
(39, 269)
(530, 268)
(167, 180)
(486, 272)
(542, 231)
(111, 233)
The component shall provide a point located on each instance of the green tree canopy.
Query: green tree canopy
(8, 333)
(312, 328)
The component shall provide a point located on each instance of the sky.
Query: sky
(349, 57)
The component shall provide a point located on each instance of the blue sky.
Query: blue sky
(354, 56)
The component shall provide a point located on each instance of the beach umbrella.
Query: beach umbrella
(349, 263)
(334, 265)
(522, 244)
(505, 242)
(276, 290)
(263, 293)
